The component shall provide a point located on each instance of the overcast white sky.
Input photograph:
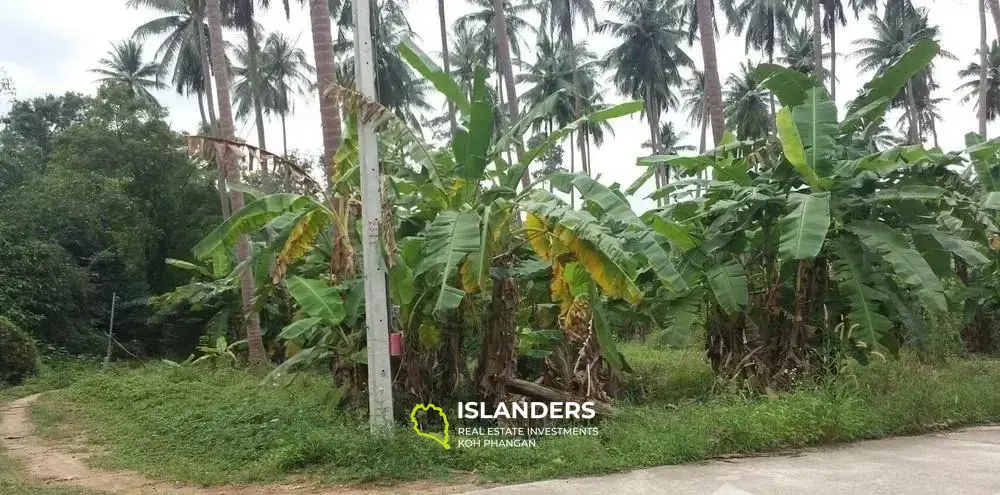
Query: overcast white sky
(47, 46)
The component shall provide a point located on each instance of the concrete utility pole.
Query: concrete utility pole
(376, 304)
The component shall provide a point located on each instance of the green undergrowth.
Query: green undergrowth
(211, 427)
(52, 374)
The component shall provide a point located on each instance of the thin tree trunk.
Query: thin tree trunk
(833, 63)
(447, 63)
(572, 169)
(817, 40)
(206, 70)
(983, 68)
(654, 142)
(284, 136)
(568, 33)
(503, 40)
(774, 113)
(702, 145)
(254, 338)
(255, 84)
(329, 104)
(995, 11)
(201, 110)
(912, 114)
(713, 85)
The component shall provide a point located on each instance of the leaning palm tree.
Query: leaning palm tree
(124, 66)
(482, 22)
(746, 107)
(833, 14)
(326, 79)
(647, 62)
(285, 66)
(185, 42)
(213, 13)
(443, 26)
(971, 77)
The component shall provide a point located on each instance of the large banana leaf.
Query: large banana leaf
(914, 191)
(853, 282)
(877, 94)
(251, 218)
(794, 148)
(816, 120)
(679, 237)
(300, 329)
(967, 250)
(317, 299)
(435, 74)
(659, 262)
(789, 85)
(450, 237)
(729, 285)
(911, 268)
(804, 229)
(530, 117)
(578, 232)
(985, 160)
(471, 166)
(613, 205)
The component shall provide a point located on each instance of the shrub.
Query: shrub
(18, 356)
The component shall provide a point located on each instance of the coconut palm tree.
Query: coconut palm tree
(797, 53)
(185, 42)
(243, 14)
(467, 53)
(766, 23)
(894, 34)
(971, 75)
(321, 28)
(286, 68)
(746, 104)
(443, 26)
(563, 14)
(693, 94)
(398, 87)
(704, 10)
(124, 66)
(482, 23)
(833, 14)
(647, 62)
(213, 13)
(983, 67)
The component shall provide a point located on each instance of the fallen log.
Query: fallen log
(545, 393)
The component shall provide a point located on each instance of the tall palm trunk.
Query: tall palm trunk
(912, 114)
(833, 63)
(770, 97)
(567, 30)
(201, 110)
(503, 42)
(983, 68)
(713, 85)
(229, 163)
(329, 105)
(447, 63)
(206, 70)
(817, 39)
(653, 119)
(258, 111)
(572, 169)
(702, 144)
(284, 136)
(995, 11)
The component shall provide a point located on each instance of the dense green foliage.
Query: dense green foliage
(18, 355)
(97, 194)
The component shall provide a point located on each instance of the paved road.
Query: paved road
(964, 462)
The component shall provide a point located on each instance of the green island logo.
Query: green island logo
(416, 424)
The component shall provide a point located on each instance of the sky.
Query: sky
(49, 46)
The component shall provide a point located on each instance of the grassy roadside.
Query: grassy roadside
(221, 426)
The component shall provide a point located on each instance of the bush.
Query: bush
(18, 356)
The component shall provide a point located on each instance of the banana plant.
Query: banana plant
(795, 235)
